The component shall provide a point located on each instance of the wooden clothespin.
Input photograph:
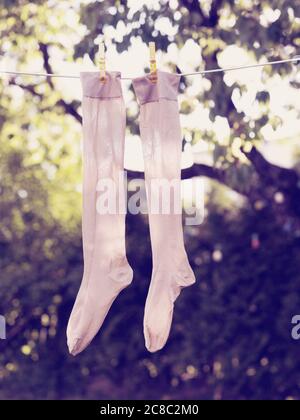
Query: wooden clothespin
(102, 62)
(153, 66)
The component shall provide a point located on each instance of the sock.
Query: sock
(106, 269)
(162, 146)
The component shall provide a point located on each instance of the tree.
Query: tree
(263, 40)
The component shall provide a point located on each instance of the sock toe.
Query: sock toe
(157, 330)
(155, 343)
(74, 346)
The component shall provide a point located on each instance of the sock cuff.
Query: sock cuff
(92, 87)
(166, 87)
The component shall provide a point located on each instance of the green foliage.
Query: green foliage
(231, 333)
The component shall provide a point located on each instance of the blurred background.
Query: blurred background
(231, 336)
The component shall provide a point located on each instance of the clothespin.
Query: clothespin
(102, 62)
(153, 66)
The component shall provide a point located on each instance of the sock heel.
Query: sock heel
(120, 271)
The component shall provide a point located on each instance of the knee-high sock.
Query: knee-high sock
(162, 145)
(106, 270)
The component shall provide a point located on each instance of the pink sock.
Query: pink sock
(106, 269)
(162, 143)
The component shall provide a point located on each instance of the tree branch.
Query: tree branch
(212, 19)
(273, 177)
(214, 14)
(28, 88)
(198, 170)
(69, 108)
(47, 65)
(269, 173)
(192, 172)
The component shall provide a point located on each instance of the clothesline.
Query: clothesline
(294, 60)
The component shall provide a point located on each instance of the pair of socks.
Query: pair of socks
(106, 269)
